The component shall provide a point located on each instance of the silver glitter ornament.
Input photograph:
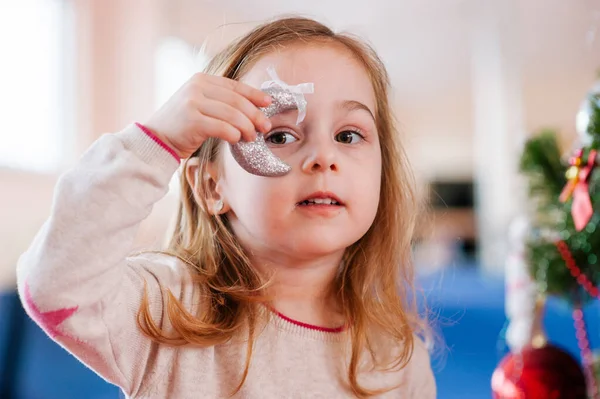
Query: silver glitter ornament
(255, 156)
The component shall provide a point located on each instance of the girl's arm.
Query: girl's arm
(76, 281)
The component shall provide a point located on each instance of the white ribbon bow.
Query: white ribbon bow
(297, 91)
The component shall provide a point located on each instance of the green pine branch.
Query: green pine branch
(541, 163)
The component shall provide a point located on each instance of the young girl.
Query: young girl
(297, 286)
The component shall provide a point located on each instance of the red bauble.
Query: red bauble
(539, 373)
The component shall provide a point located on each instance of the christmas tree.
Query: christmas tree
(562, 249)
(564, 244)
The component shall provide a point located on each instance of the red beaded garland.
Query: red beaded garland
(581, 332)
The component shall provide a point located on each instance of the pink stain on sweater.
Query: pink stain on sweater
(49, 321)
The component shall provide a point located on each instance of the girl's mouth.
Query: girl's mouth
(322, 198)
(320, 201)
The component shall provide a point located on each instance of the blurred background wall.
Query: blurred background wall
(472, 78)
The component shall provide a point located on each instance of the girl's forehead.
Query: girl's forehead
(331, 68)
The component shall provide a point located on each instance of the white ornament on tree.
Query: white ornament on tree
(582, 119)
(521, 303)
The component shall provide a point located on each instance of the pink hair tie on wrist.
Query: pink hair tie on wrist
(255, 157)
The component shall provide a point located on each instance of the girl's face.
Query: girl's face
(334, 154)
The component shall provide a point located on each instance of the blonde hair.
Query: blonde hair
(375, 284)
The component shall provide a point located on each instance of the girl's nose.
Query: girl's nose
(321, 156)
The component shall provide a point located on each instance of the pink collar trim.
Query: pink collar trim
(334, 330)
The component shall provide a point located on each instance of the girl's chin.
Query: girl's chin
(313, 247)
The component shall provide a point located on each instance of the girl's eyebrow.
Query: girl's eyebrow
(348, 105)
(352, 105)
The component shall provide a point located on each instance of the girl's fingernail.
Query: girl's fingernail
(267, 125)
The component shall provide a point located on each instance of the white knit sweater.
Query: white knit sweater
(78, 283)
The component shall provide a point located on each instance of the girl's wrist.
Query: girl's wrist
(161, 141)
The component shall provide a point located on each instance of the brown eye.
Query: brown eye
(280, 138)
(348, 137)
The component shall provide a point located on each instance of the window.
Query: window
(33, 92)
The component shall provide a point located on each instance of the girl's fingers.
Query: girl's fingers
(212, 127)
(256, 96)
(241, 103)
(228, 114)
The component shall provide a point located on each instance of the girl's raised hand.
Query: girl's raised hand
(210, 106)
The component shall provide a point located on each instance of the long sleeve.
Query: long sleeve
(76, 279)
(422, 380)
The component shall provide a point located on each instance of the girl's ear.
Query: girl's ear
(210, 181)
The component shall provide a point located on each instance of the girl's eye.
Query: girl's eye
(349, 137)
(280, 138)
